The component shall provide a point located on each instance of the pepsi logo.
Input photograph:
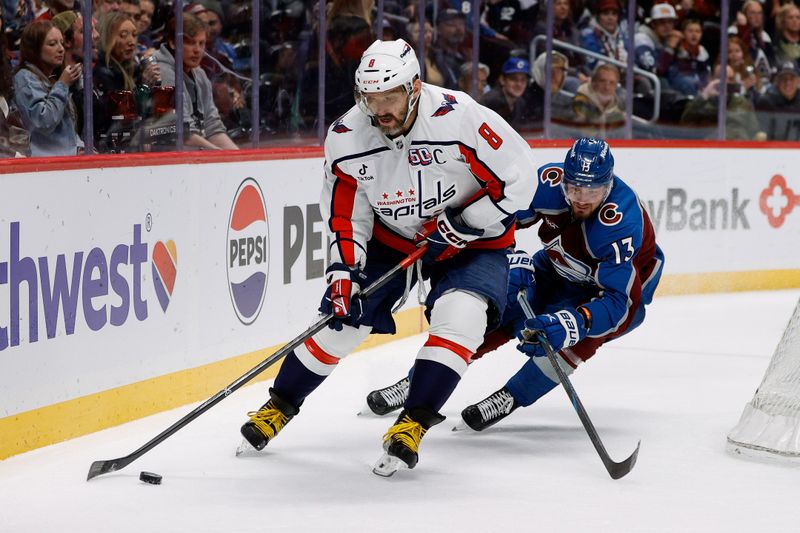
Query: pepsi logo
(248, 251)
(165, 270)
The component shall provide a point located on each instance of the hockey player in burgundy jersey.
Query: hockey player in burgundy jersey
(411, 164)
(598, 269)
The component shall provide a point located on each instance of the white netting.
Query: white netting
(770, 424)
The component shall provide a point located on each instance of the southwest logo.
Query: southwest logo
(165, 268)
(103, 285)
(248, 251)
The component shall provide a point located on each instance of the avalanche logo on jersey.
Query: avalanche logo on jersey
(447, 105)
(551, 176)
(567, 266)
(339, 127)
(165, 269)
(609, 214)
(248, 251)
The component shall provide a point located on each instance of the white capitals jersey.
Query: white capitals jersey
(457, 154)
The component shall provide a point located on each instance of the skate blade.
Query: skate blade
(462, 426)
(366, 411)
(245, 449)
(387, 465)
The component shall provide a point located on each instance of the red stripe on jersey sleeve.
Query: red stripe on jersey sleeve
(457, 349)
(494, 184)
(341, 224)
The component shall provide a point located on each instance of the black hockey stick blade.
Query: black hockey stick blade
(99, 468)
(615, 470)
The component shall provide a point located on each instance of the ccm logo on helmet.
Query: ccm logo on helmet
(406, 50)
(609, 215)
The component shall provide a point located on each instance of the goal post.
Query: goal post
(769, 427)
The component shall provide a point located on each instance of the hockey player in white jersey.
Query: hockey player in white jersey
(411, 164)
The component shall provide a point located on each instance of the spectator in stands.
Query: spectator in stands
(206, 129)
(564, 29)
(604, 35)
(749, 27)
(448, 56)
(465, 79)
(597, 103)
(689, 64)
(787, 26)
(101, 7)
(779, 106)
(132, 9)
(45, 105)
(742, 64)
(560, 101)
(213, 15)
(116, 75)
(652, 38)
(54, 7)
(432, 73)
(740, 118)
(348, 38)
(148, 9)
(504, 17)
(219, 65)
(506, 99)
(71, 25)
(14, 139)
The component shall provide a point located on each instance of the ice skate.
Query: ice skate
(383, 401)
(401, 442)
(265, 424)
(487, 412)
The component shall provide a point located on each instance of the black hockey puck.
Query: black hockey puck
(149, 477)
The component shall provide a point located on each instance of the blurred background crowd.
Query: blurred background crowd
(296, 76)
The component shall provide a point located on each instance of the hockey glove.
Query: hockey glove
(445, 236)
(341, 298)
(562, 329)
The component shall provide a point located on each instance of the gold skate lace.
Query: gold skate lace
(408, 432)
(268, 420)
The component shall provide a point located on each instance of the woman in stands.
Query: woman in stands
(41, 87)
(117, 75)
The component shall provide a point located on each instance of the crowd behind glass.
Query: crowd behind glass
(268, 82)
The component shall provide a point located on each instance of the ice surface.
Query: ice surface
(679, 383)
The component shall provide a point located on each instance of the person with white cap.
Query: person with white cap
(409, 165)
(652, 38)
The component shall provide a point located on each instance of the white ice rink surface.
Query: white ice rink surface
(679, 383)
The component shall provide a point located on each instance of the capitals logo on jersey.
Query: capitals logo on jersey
(447, 105)
(339, 127)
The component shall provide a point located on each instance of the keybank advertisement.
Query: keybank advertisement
(109, 277)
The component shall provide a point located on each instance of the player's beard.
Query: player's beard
(394, 127)
(582, 211)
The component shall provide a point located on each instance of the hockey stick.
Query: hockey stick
(99, 468)
(615, 470)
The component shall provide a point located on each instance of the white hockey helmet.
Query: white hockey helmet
(384, 66)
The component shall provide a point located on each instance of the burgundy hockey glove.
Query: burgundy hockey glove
(562, 329)
(341, 298)
(445, 236)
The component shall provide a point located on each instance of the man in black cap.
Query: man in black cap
(779, 107)
(451, 30)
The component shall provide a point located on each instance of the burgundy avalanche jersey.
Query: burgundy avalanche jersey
(615, 249)
(457, 154)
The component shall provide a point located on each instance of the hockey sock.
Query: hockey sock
(432, 385)
(529, 383)
(294, 381)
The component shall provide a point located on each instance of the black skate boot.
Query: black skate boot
(268, 421)
(489, 411)
(401, 442)
(384, 401)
